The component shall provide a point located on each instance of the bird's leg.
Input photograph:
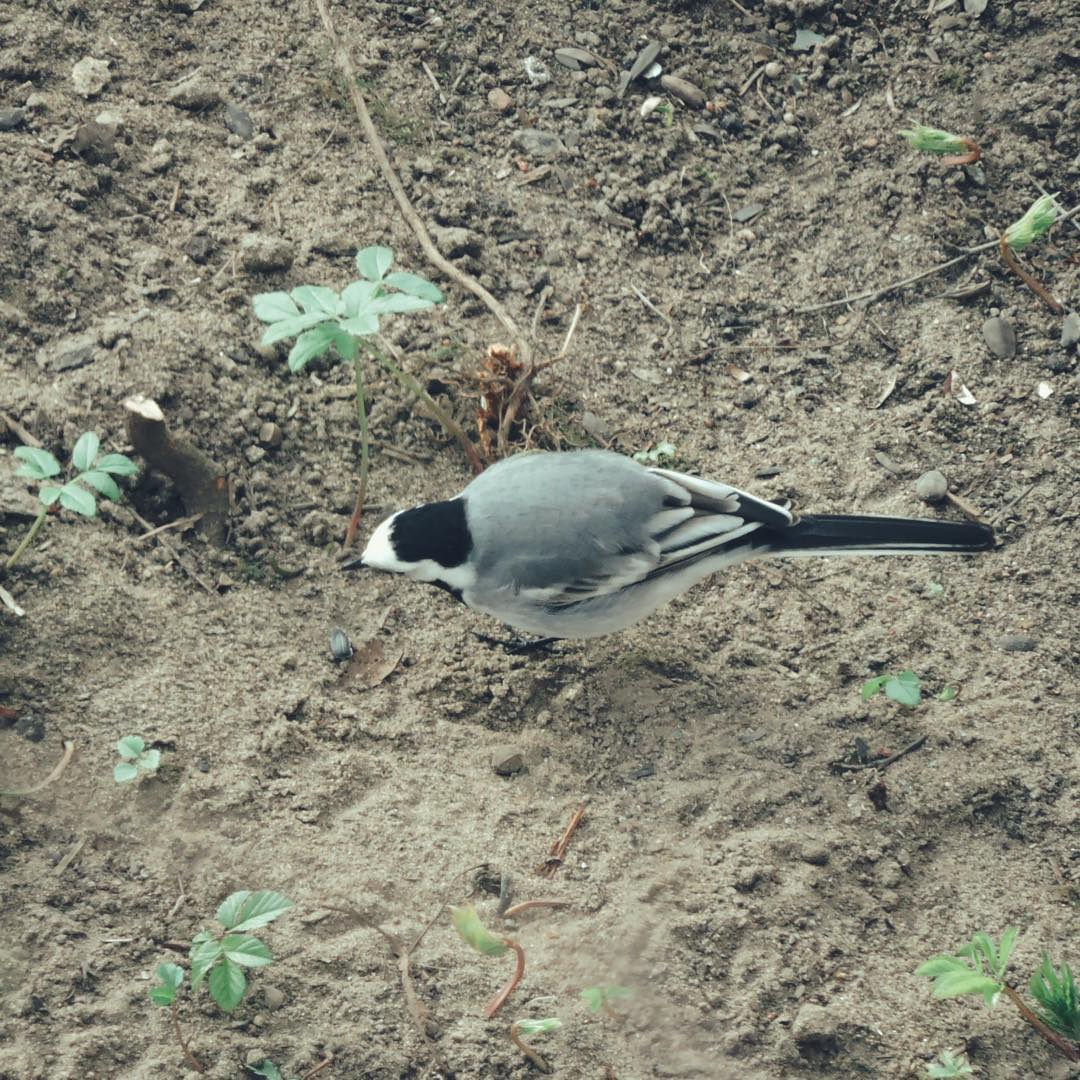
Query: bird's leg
(519, 646)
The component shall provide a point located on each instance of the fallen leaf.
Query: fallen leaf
(372, 664)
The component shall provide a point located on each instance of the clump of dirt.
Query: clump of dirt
(766, 908)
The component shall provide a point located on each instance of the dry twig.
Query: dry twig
(69, 751)
(558, 850)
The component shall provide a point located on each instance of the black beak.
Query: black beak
(355, 563)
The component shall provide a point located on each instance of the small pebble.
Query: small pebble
(11, 118)
(195, 93)
(263, 254)
(1000, 338)
(270, 435)
(273, 998)
(238, 121)
(507, 760)
(1070, 329)
(685, 91)
(341, 648)
(90, 76)
(774, 69)
(499, 99)
(931, 487)
(1015, 643)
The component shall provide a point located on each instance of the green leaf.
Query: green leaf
(357, 295)
(959, 983)
(414, 285)
(398, 303)
(205, 952)
(171, 975)
(125, 771)
(228, 912)
(40, 464)
(118, 465)
(272, 307)
(373, 262)
(934, 140)
(103, 482)
(78, 499)
(364, 323)
(49, 494)
(1008, 942)
(1040, 215)
(1059, 997)
(941, 965)
(288, 328)
(947, 694)
(150, 760)
(86, 449)
(345, 344)
(130, 747)
(904, 689)
(310, 344)
(246, 950)
(468, 925)
(257, 909)
(537, 1027)
(267, 1069)
(162, 995)
(318, 298)
(227, 984)
(872, 686)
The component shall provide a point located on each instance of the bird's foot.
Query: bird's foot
(519, 646)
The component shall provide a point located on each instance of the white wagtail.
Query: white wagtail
(579, 544)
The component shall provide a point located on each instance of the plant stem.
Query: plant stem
(191, 1059)
(500, 999)
(1051, 1036)
(28, 539)
(438, 413)
(533, 1055)
(973, 154)
(1035, 286)
(361, 414)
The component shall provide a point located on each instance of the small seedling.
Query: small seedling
(171, 978)
(601, 998)
(979, 968)
(92, 472)
(136, 759)
(349, 322)
(949, 1064)
(661, 454)
(530, 1028)
(947, 694)
(905, 688)
(1035, 223)
(468, 925)
(961, 150)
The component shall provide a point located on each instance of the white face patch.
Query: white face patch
(380, 555)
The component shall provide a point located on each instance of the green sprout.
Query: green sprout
(602, 997)
(979, 968)
(949, 1064)
(905, 688)
(349, 322)
(533, 1027)
(933, 140)
(468, 925)
(1056, 992)
(661, 454)
(1041, 214)
(170, 979)
(94, 470)
(136, 759)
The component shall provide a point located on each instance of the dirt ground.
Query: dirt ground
(766, 909)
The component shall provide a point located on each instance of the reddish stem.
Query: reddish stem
(500, 999)
(1036, 287)
(191, 1059)
(1051, 1036)
(973, 154)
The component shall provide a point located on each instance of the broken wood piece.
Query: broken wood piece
(201, 482)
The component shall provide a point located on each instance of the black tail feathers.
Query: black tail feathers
(848, 534)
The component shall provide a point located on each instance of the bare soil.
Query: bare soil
(766, 909)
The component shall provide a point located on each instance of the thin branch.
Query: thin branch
(437, 259)
(501, 998)
(191, 1059)
(69, 751)
(1051, 1036)
(1036, 286)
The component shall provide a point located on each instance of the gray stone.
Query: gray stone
(270, 435)
(454, 241)
(90, 76)
(1000, 338)
(1070, 329)
(11, 118)
(196, 93)
(539, 145)
(507, 760)
(931, 487)
(273, 998)
(685, 91)
(1015, 643)
(238, 121)
(816, 1027)
(264, 254)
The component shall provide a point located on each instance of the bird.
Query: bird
(578, 544)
